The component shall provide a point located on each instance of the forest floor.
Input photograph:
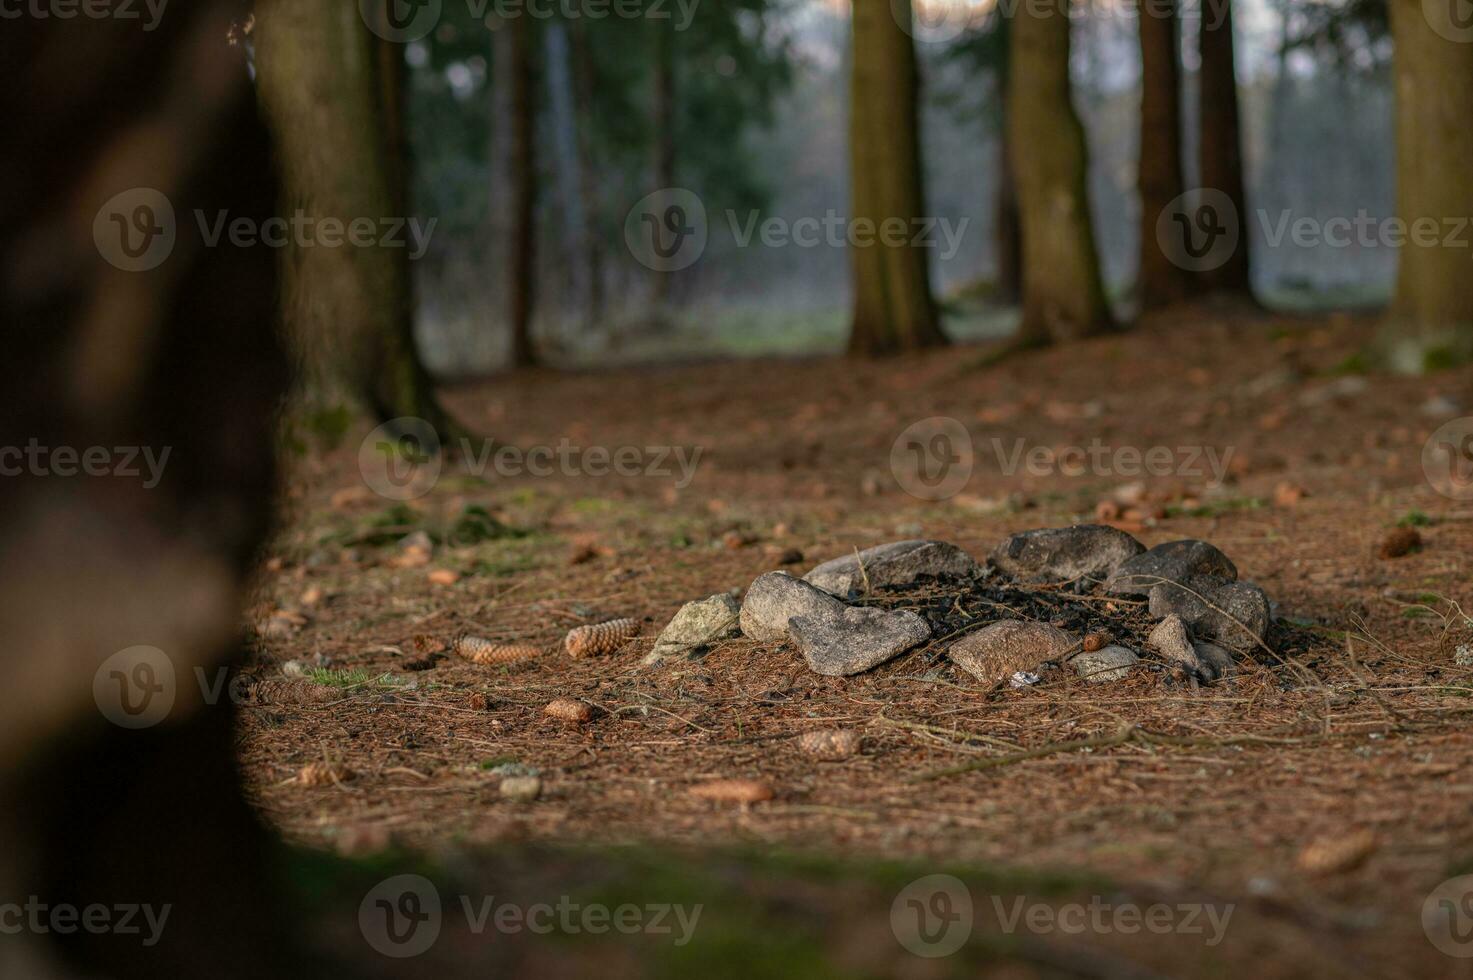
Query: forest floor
(1363, 749)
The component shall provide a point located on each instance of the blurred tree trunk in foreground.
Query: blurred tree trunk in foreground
(1220, 150)
(521, 283)
(337, 117)
(1160, 282)
(1063, 295)
(893, 307)
(178, 357)
(1431, 318)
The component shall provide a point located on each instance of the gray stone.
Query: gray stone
(1239, 625)
(776, 597)
(1113, 663)
(858, 638)
(1002, 649)
(1217, 660)
(896, 563)
(1174, 561)
(696, 625)
(1171, 639)
(1083, 554)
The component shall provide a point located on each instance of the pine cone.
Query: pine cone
(323, 774)
(477, 650)
(733, 791)
(566, 709)
(289, 690)
(587, 641)
(1333, 854)
(830, 744)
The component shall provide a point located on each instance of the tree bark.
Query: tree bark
(1220, 149)
(522, 265)
(1431, 318)
(663, 126)
(893, 306)
(332, 95)
(1007, 226)
(1063, 294)
(585, 83)
(180, 355)
(1160, 282)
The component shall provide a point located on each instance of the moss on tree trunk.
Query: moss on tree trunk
(893, 307)
(1063, 295)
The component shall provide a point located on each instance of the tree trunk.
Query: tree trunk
(331, 94)
(1220, 149)
(585, 83)
(893, 307)
(522, 161)
(180, 354)
(663, 127)
(1159, 282)
(1007, 227)
(572, 182)
(1063, 295)
(1431, 318)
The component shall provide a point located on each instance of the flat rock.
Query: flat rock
(776, 597)
(999, 650)
(1111, 663)
(856, 639)
(1084, 554)
(896, 563)
(696, 625)
(1171, 639)
(1174, 561)
(1239, 621)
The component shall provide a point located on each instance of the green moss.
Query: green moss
(1441, 358)
(1357, 363)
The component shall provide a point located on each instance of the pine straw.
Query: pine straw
(1220, 787)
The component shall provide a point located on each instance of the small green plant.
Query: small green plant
(475, 524)
(1216, 508)
(1414, 518)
